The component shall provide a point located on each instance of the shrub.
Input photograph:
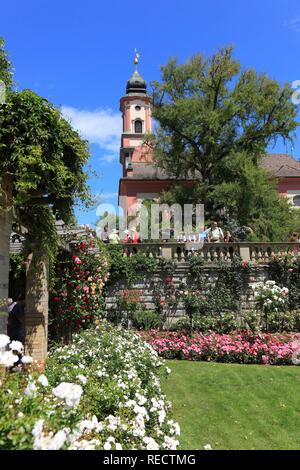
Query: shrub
(101, 392)
(127, 303)
(130, 269)
(270, 297)
(146, 320)
(285, 270)
(280, 321)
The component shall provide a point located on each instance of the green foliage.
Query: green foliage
(112, 368)
(272, 322)
(219, 295)
(224, 323)
(42, 162)
(285, 271)
(146, 320)
(5, 67)
(212, 304)
(76, 297)
(129, 268)
(42, 153)
(215, 123)
(17, 265)
(167, 266)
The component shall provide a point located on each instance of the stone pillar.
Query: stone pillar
(166, 252)
(245, 253)
(36, 309)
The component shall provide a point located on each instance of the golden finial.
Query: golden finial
(136, 57)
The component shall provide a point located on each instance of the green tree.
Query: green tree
(212, 116)
(41, 178)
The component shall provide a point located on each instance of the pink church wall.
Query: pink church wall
(130, 189)
(288, 184)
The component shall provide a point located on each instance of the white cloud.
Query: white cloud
(108, 195)
(295, 24)
(101, 126)
(110, 158)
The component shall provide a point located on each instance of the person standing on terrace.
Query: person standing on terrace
(215, 233)
(114, 238)
(135, 236)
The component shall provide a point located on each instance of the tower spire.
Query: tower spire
(136, 58)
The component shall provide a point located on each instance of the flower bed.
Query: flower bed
(240, 347)
(101, 392)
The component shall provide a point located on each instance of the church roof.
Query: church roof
(148, 171)
(281, 165)
(136, 84)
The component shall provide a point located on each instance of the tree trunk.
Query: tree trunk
(36, 310)
(5, 232)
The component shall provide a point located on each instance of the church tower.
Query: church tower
(136, 111)
(141, 179)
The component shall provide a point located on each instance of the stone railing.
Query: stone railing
(259, 253)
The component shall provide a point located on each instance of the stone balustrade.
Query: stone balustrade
(257, 253)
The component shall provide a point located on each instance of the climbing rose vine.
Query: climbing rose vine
(81, 275)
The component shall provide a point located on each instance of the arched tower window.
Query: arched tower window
(138, 126)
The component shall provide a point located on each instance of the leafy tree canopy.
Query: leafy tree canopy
(41, 153)
(215, 121)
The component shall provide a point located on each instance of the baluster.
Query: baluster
(259, 254)
(209, 255)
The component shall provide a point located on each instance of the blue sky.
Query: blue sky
(79, 55)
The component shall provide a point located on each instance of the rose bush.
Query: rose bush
(101, 392)
(241, 347)
(270, 297)
(81, 274)
(285, 270)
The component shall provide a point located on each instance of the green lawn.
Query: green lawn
(231, 406)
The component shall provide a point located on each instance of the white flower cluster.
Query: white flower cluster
(8, 348)
(269, 296)
(101, 392)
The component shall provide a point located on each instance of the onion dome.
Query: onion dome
(136, 85)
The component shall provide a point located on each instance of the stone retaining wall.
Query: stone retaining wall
(251, 276)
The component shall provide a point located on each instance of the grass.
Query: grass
(232, 406)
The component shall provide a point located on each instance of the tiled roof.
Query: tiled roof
(150, 172)
(281, 165)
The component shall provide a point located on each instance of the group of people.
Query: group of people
(213, 234)
(130, 236)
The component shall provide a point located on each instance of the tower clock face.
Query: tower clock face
(137, 108)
